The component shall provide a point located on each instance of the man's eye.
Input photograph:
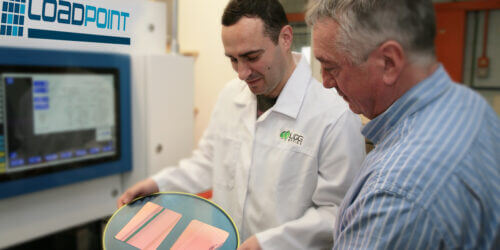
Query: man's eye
(330, 70)
(233, 60)
(251, 59)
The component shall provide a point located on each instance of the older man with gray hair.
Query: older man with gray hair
(433, 179)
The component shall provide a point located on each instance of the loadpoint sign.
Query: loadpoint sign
(72, 21)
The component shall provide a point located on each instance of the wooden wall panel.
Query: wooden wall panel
(450, 41)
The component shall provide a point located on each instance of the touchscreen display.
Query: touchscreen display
(53, 119)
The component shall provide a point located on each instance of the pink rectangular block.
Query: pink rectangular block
(199, 235)
(145, 213)
(145, 231)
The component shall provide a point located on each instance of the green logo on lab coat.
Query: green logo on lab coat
(292, 137)
(285, 135)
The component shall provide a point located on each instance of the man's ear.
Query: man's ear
(286, 37)
(394, 59)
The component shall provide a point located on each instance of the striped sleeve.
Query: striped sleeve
(386, 220)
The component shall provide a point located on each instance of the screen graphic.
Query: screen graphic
(53, 119)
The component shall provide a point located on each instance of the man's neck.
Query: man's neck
(413, 76)
(264, 103)
(410, 76)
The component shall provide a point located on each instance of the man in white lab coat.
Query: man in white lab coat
(280, 151)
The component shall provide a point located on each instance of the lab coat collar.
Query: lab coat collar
(290, 99)
(247, 101)
(245, 97)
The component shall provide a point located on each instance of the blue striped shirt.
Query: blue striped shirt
(433, 179)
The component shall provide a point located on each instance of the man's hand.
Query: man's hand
(250, 244)
(142, 188)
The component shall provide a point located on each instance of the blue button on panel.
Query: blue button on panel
(35, 159)
(41, 106)
(41, 99)
(51, 157)
(40, 83)
(40, 90)
(16, 162)
(81, 152)
(94, 150)
(9, 80)
(66, 155)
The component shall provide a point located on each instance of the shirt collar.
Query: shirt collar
(245, 96)
(291, 96)
(294, 91)
(413, 100)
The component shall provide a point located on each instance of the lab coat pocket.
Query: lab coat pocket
(227, 162)
(297, 179)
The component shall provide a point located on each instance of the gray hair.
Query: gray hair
(365, 24)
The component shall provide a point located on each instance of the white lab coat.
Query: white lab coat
(285, 190)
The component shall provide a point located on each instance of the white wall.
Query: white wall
(199, 31)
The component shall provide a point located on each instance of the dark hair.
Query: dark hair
(271, 12)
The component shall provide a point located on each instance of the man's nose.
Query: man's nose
(243, 71)
(328, 81)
